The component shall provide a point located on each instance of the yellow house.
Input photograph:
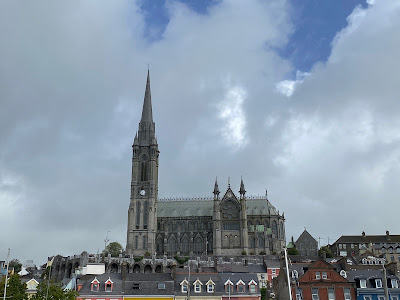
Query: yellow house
(31, 286)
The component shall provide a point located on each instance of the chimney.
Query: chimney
(387, 234)
(363, 233)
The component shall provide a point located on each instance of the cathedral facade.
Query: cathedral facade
(227, 223)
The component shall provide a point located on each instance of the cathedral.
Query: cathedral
(227, 223)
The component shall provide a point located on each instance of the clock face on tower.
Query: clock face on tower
(142, 192)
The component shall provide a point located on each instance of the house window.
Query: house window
(240, 288)
(346, 292)
(317, 275)
(210, 288)
(378, 283)
(343, 273)
(135, 286)
(381, 297)
(383, 250)
(108, 287)
(252, 288)
(395, 284)
(363, 283)
(342, 253)
(184, 288)
(340, 246)
(398, 250)
(367, 298)
(391, 250)
(352, 246)
(197, 288)
(331, 294)
(273, 271)
(314, 293)
(298, 296)
(295, 274)
(161, 286)
(392, 257)
(324, 275)
(229, 287)
(395, 298)
(95, 287)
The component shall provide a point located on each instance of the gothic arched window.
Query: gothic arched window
(143, 174)
(172, 245)
(282, 233)
(145, 214)
(252, 242)
(266, 224)
(137, 215)
(160, 245)
(198, 245)
(260, 242)
(275, 228)
(185, 244)
(144, 242)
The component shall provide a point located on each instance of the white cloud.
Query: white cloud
(231, 112)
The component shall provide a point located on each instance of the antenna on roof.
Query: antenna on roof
(106, 240)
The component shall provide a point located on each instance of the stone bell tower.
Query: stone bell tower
(142, 212)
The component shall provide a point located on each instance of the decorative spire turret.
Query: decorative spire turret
(242, 191)
(216, 189)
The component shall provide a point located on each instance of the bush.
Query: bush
(181, 260)
(138, 258)
(262, 253)
(293, 251)
(328, 251)
(147, 254)
(251, 253)
(244, 253)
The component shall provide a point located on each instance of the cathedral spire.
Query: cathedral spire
(146, 134)
(242, 191)
(147, 112)
(216, 189)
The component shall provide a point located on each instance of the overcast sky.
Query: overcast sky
(298, 98)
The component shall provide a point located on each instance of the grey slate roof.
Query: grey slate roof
(369, 239)
(148, 284)
(194, 207)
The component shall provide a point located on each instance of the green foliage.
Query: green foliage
(114, 248)
(16, 265)
(15, 288)
(262, 253)
(181, 260)
(147, 254)
(328, 251)
(55, 292)
(138, 258)
(293, 251)
(251, 253)
(263, 292)
(244, 252)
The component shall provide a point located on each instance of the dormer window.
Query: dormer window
(252, 286)
(378, 283)
(295, 274)
(95, 284)
(363, 283)
(197, 286)
(395, 284)
(240, 286)
(228, 286)
(161, 286)
(184, 286)
(210, 286)
(108, 285)
(317, 275)
(324, 275)
(343, 273)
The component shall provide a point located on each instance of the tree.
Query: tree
(16, 290)
(328, 251)
(16, 265)
(55, 292)
(114, 248)
(293, 251)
